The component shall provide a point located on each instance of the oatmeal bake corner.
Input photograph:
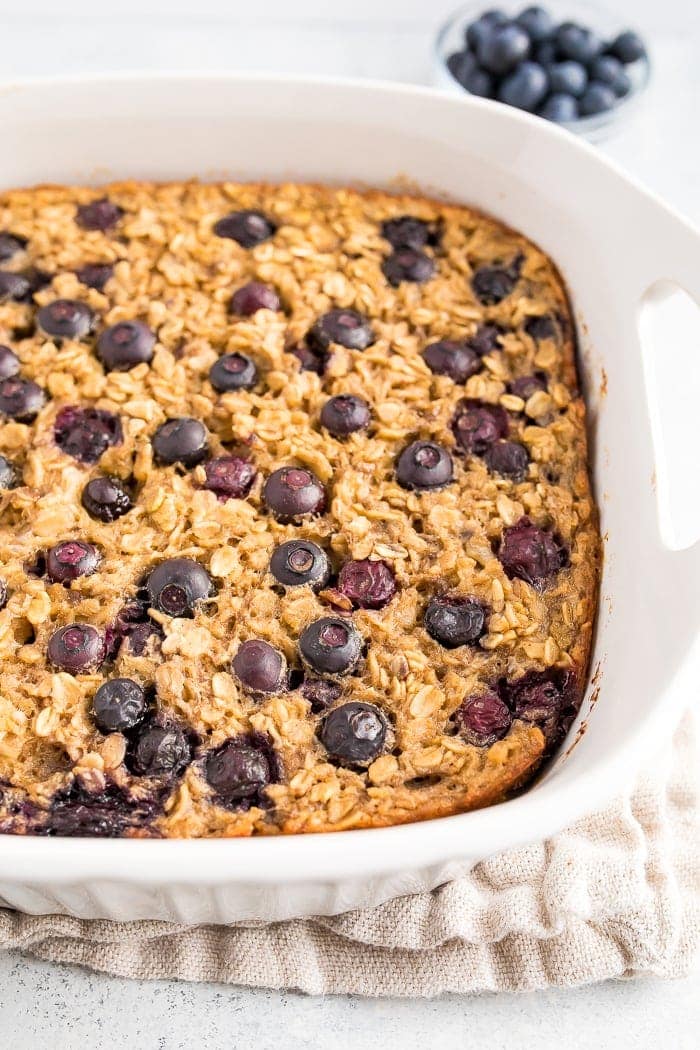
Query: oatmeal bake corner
(296, 527)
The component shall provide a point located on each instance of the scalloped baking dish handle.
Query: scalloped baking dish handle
(669, 331)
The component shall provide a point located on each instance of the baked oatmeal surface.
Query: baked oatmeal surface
(399, 405)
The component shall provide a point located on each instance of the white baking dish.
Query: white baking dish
(612, 241)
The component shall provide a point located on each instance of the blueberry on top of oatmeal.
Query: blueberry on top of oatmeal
(531, 554)
(99, 215)
(458, 360)
(248, 227)
(354, 734)
(526, 386)
(85, 433)
(95, 275)
(10, 245)
(21, 399)
(424, 465)
(241, 768)
(177, 585)
(71, 559)
(118, 705)
(106, 499)
(483, 719)
(491, 284)
(14, 286)
(367, 583)
(233, 372)
(477, 425)
(345, 414)
(66, 319)
(9, 363)
(124, 345)
(160, 750)
(294, 492)
(509, 459)
(76, 648)
(252, 297)
(229, 477)
(407, 231)
(300, 562)
(455, 621)
(183, 440)
(408, 265)
(259, 667)
(331, 645)
(346, 327)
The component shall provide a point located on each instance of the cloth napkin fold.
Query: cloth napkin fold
(615, 895)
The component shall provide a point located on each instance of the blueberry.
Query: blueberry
(8, 474)
(354, 734)
(14, 286)
(345, 414)
(531, 554)
(567, 78)
(461, 64)
(546, 53)
(309, 360)
(9, 363)
(539, 696)
(21, 399)
(106, 499)
(502, 49)
(233, 372)
(609, 70)
(230, 477)
(455, 621)
(480, 83)
(253, 297)
(124, 345)
(628, 47)
(597, 98)
(260, 667)
(477, 425)
(110, 814)
(159, 750)
(177, 585)
(133, 625)
(458, 360)
(98, 215)
(409, 232)
(76, 648)
(525, 87)
(68, 560)
(509, 459)
(479, 29)
(249, 228)
(118, 705)
(408, 265)
(492, 284)
(577, 42)
(10, 245)
(526, 386)
(240, 769)
(300, 562)
(66, 319)
(347, 327)
(293, 492)
(85, 433)
(95, 275)
(367, 584)
(424, 465)
(320, 692)
(540, 327)
(3, 594)
(536, 22)
(182, 440)
(484, 719)
(486, 339)
(330, 645)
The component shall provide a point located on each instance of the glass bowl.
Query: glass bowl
(607, 24)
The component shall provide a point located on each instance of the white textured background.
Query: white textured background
(42, 1005)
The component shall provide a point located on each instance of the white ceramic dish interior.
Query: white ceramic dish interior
(613, 242)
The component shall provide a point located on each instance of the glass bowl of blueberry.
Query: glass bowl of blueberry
(571, 63)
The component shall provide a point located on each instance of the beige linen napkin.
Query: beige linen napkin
(615, 895)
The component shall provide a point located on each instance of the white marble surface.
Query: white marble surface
(378, 38)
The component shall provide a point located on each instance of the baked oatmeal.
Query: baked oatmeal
(296, 527)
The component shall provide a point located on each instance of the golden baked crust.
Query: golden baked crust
(173, 273)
